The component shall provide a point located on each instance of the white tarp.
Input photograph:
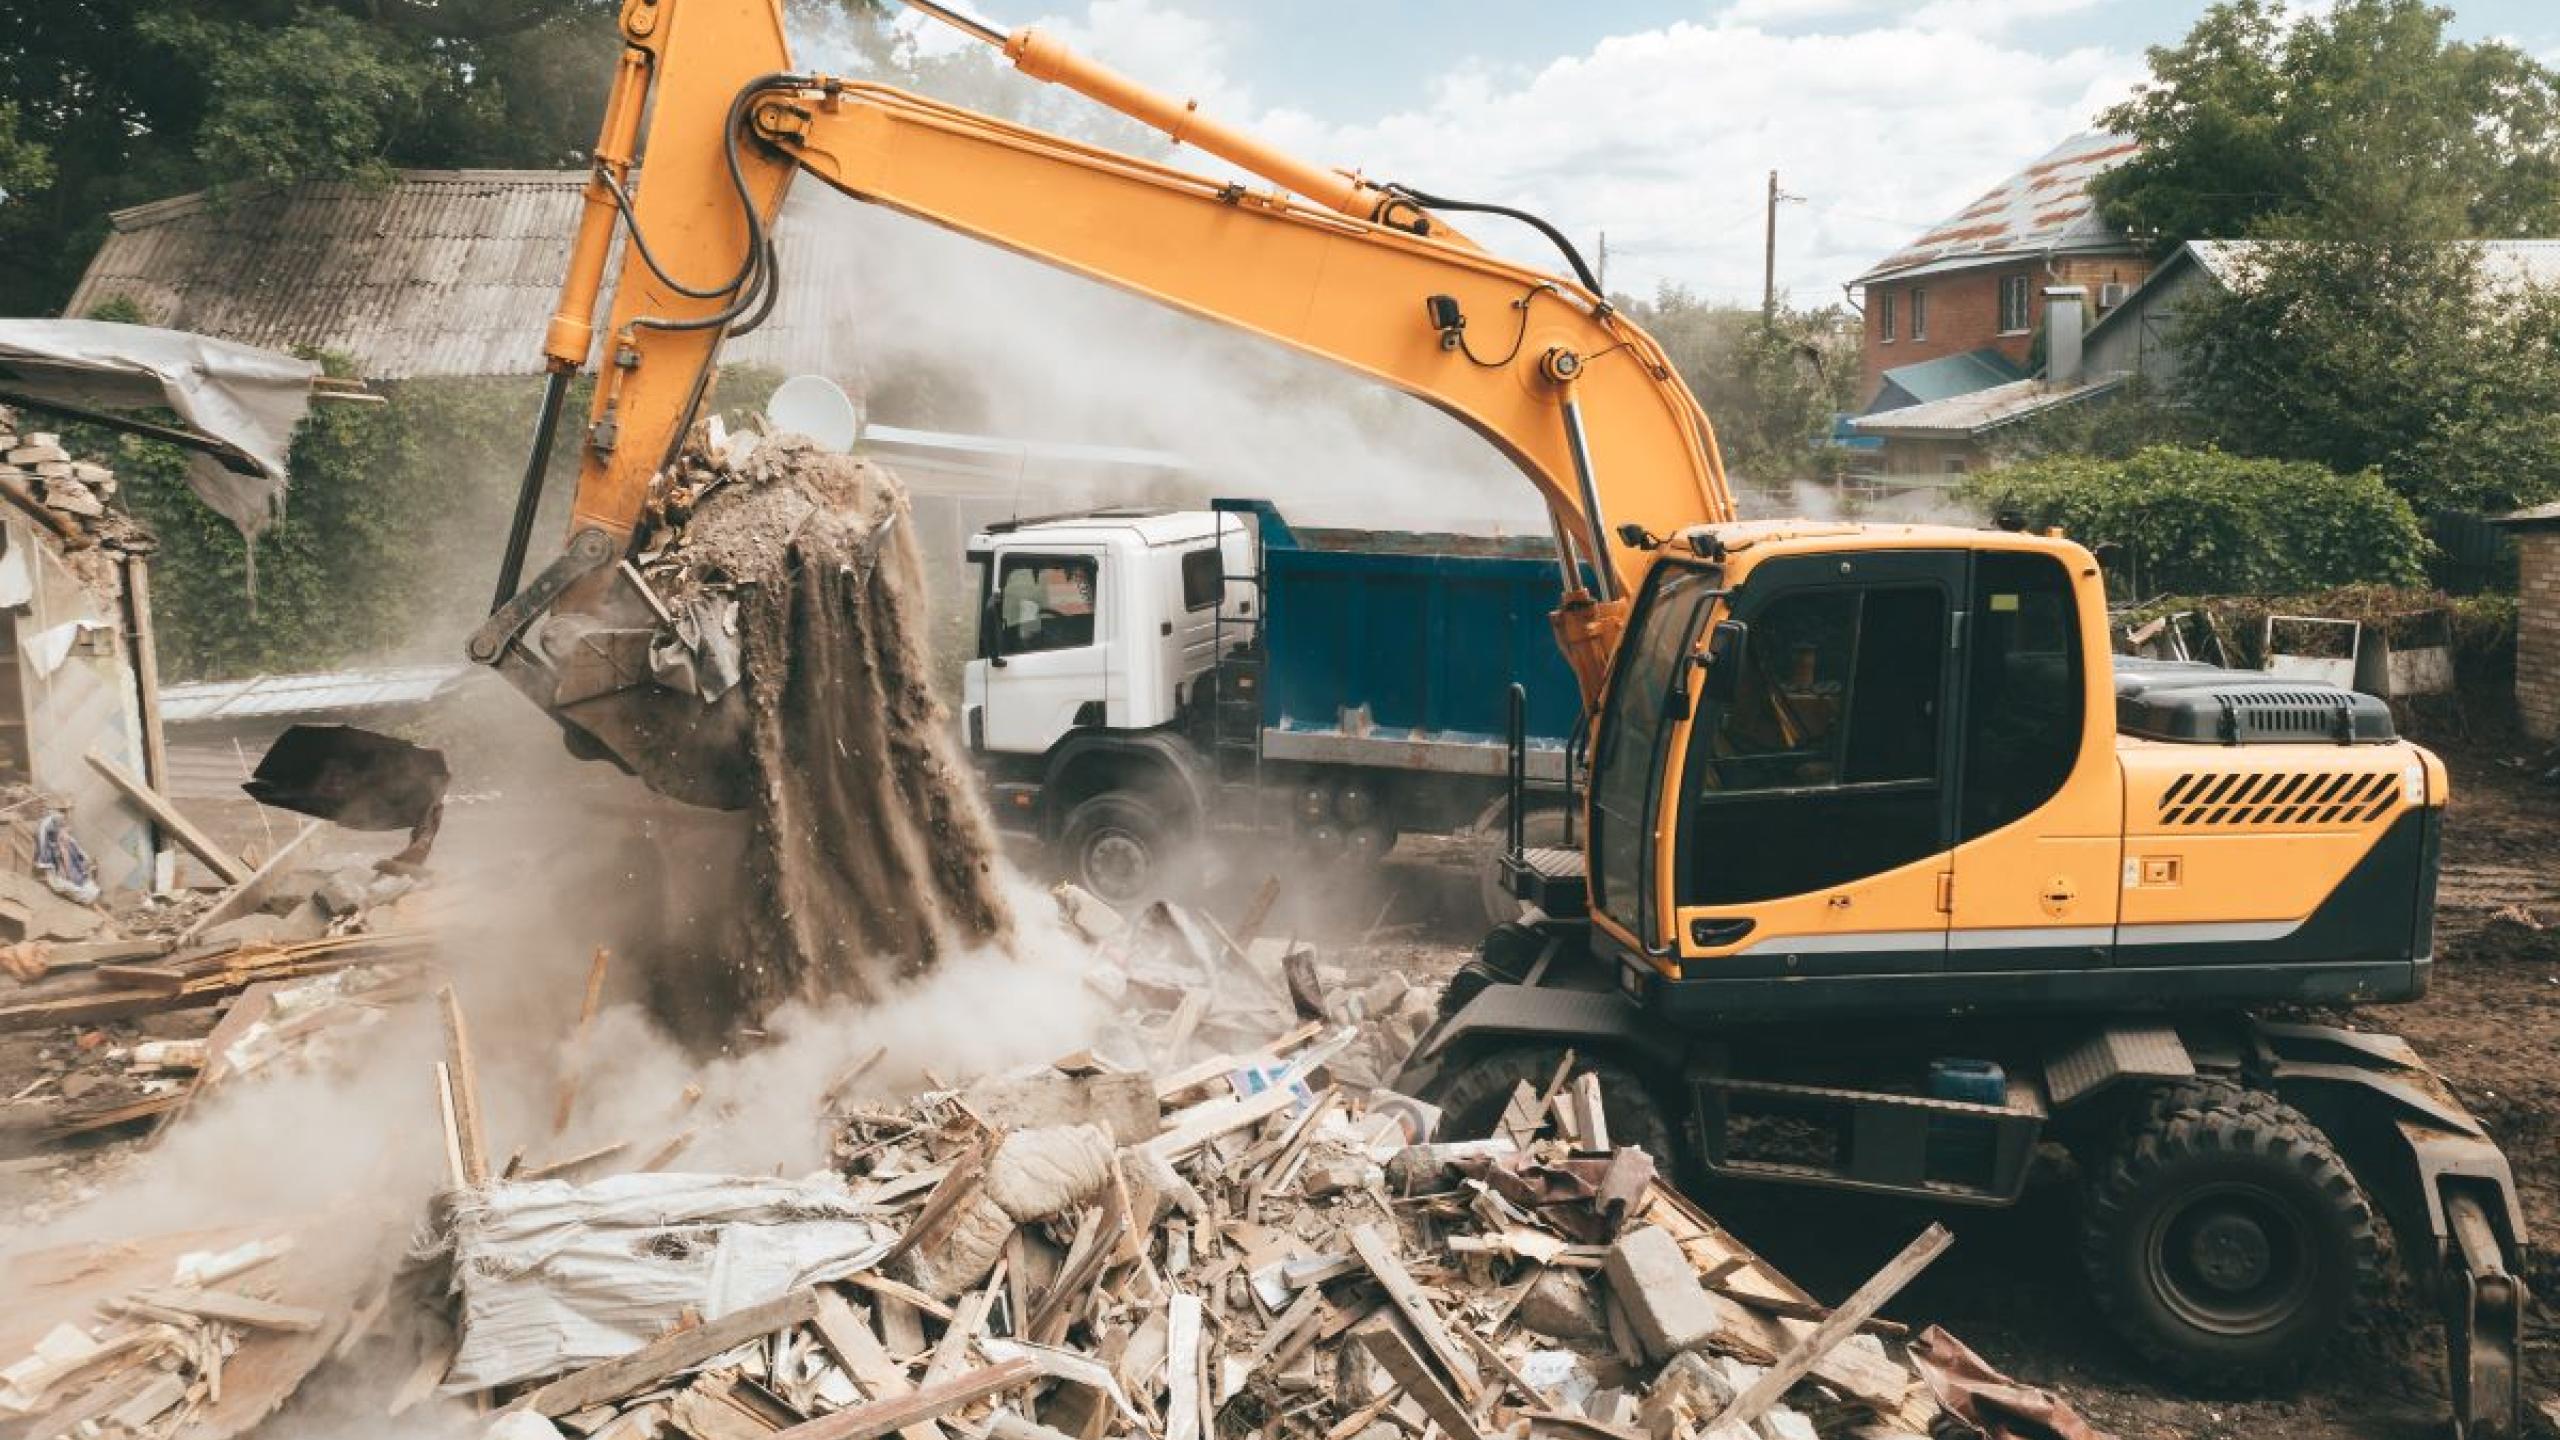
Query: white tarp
(245, 396)
(551, 1276)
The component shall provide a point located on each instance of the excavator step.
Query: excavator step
(1878, 1141)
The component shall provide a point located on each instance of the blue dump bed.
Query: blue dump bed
(1414, 637)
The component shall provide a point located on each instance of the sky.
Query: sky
(1658, 121)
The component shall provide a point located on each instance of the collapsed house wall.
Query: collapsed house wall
(73, 677)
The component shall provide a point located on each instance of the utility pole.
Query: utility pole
(1769, 260)
(1769, 256)
(1604, 264)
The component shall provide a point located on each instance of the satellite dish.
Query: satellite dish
(817, 407)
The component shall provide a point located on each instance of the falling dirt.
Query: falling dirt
(872, 856)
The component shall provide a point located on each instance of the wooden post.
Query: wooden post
(469, 1133)
(1843, 1322)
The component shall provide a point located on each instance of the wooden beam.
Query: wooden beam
(1408, 1370)
(1376, 1253)
(250, 891)
(233, 1309)
(860, 1354)
(1799, 1361)
(470, 1129)
(146, 669)
(576, 1060)
(168, 817)
(664, 1356)
(929, 1402)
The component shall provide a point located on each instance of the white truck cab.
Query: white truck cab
(1099, 621)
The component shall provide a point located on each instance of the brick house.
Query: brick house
(2537, 533)
(1973, 284)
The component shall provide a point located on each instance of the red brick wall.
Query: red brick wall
(1964, 309)
(2538, 633)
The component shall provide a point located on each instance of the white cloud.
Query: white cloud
(1789, 12)
(1991, 17)
(1664, 138)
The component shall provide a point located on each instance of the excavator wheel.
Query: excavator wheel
(2225, 1239)
(1472, 1098)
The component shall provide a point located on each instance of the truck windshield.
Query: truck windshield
(1626, 766)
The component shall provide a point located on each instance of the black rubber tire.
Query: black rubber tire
(1115, 845)
(1472, 1095)
(2226, 1240)
(1544, 826)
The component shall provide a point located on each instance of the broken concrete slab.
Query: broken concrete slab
(1660, 1294)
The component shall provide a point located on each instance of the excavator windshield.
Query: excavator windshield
(1647, 691)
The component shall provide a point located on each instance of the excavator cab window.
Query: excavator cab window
(1824, 761)
(2022, 714)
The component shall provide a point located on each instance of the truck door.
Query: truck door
(1048, 658)
(1816, 786)
(2039, 820)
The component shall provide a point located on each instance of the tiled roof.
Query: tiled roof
(2043, 208)
(441, 272)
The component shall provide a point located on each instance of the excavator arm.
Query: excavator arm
(708, 125)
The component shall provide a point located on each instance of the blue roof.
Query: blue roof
(1944, 379)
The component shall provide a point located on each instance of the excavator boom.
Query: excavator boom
(708, 125)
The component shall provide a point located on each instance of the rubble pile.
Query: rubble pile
(1213, 1221)
(71, 496)
(1132, 1243)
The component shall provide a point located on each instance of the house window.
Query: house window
(1919, 312)
(1884, 315)
(2013, 304)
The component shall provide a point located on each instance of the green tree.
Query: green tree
(2399, 357)
(2361, 120)
(114, 102)
(1771, 388)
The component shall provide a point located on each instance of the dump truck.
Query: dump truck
(1149, 677)
(1878, 842)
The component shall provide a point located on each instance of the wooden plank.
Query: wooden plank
(236, 1309)
(456, 1174)
(169, 818)
(1224, 1117)
(469, 1128)
(577, 1057)
(250, 891)
(930, 1402)
(1590, 1112)
(705, 1413)
(1376, 1252)
(1407, 1369)
(1182, 1367)
(157, 979)
(859, 1352)
(668, 1354)
(1799, 1361)
(889, 1289)
(146, 670)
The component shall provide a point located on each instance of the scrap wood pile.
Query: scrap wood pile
(1246, 1244)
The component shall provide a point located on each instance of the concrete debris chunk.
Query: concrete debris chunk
(1660, 1294)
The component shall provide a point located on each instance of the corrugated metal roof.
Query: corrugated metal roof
(2041, 209)
(270, 697)
(1949, 376)
(1969, 415)
(441, 272)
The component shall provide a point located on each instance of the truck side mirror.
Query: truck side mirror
(1726, 645)
(991, 631)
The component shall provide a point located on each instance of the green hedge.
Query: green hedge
(2203, 522)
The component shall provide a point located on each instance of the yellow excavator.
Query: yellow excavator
(1890, 877)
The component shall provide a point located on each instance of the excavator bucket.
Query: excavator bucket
(358, 778)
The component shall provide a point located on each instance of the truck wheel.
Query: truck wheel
(2225, 1239)
(1545, 826)
(1114, 846)
(1472, 1097)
